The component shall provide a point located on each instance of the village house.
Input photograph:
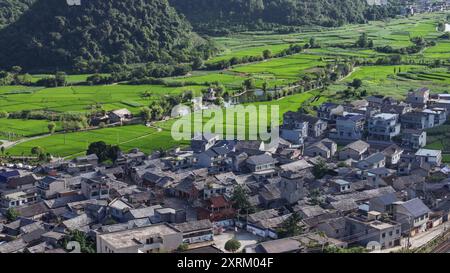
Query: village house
(355, 150)
(377, 160)
(119, 116)
(384, 127)
(13, 199)
(262, 166)
(419, 98)
(215, 159)
(392, 154)
(297, 120)
(149, 239)
(216, 209)
(325, 148)
(294, 130)
(203, 142)
(414, 139)
(265, 223)
(418, 120)
(95, 188)
(348, 128)
(378, 101)
(432, 157)
(330, 111)
(49, 187)
(195, 232)
(367, 229)
(413, 215)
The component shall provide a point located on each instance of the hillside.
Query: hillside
(10, 10)
(207, 15)
(97, 33)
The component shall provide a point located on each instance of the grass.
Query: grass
(16, 128)
(81, 98)
(288, 68)
(127, 137)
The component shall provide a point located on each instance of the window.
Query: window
(383, 235)
(390, 233)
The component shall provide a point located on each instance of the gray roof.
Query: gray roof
(13, 246)
(261, 159)
(280, 246)
(359, 146)
(415, 207)
(78, 222)
(375, 158)
(144, 212)
(386, 199)
(194, 226)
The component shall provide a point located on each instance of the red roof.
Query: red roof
(218, 202)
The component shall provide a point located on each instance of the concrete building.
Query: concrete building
(384, 127)
(150, 239)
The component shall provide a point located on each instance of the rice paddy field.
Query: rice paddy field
(378, 79)
(81, 98)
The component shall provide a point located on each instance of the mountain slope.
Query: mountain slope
(204, 14)
(10, 10)
(97, 33)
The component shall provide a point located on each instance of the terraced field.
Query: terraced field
(81, 98)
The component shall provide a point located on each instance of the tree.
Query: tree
(3, 114)
(113, 153)
(320, 169)
(312, 43)
(100, 149)
(240, 200)
(12, 215)
(37, 150)
(363, 41)
(267, 54)
(249, 83)
(146, 114)
(86, 244)
(183, 247)
(2, 149)
(197, 63)
(290, 226)
(356, 83)
(51, 127)
(232, 245)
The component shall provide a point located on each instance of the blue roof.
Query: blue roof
(8, 174)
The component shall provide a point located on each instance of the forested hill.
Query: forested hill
(206, 15)
(10, 10)
(97, 33)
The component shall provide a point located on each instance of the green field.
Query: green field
(17, 128)
(127, 137)
(81, 98)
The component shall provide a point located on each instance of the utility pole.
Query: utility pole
(409, 233)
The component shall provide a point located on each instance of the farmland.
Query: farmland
(392, 80)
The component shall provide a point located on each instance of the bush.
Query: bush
(232, 245)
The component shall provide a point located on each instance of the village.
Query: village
(356, 176)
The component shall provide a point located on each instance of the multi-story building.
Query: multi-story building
(419, 98)
(330, 111)
(49, 187)
(414, 139)
(384, 127)
(349, 128)
(95, 188)
(149, 239)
